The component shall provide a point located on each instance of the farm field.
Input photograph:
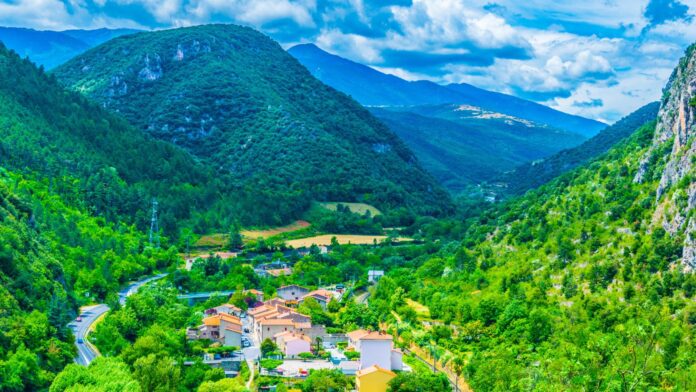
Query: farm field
(355, 239)
(254, 234)
(358, 208)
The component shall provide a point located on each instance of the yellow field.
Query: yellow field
(358, 208)
(421, 310)
(354, 239)
(253, 234)
(212, 240)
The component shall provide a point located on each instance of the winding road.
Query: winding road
(85, 351)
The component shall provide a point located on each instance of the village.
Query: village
(273, 337)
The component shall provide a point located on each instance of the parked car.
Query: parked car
(245, 344)
(246, 330)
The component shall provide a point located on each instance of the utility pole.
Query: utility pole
(154, 226)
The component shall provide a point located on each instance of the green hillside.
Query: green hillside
(463, 146)
(534, 174)
(570, 287)
(236, 100)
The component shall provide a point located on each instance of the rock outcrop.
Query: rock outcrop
(674, 133)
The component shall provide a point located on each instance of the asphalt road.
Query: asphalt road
(85, 351)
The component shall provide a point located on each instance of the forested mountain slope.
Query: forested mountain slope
(54, 256)
(239, 102)
(581, 284)
(373, 88)
(58, 134)
(533, 174)
(463, 146)
(52, 48)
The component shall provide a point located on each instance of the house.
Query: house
(279, 272)
(225, 308)
(292, 344)
(375, 348)
(373, 379)
(373, 276)
(269, 328)
(292, 292)
(257, 294)
(323, 297)
(273, 317)
(230, 330)
(223, 328)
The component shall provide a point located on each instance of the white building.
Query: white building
(375, 348)
(374, 275)
(292, 292)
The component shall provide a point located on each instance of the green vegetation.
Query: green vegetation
(358, 208)
(419, 382)
(463, 148)
(533, 174)
(566, 288)
(236, 100)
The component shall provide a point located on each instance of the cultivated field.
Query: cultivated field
(358, 208)
(254, 234)
(341, 238)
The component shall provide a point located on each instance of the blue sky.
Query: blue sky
(597, 58)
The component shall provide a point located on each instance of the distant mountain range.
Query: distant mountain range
(463, 145)
(533, 174)
(52, 48)
(373, 88)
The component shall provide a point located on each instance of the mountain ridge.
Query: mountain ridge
(373, 88)
(51, 48)
(267, 120)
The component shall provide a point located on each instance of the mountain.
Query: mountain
(237, 101)
(592, 271)
(74, 183)
(373, 88)
(672, 156)
(463, 146)
(533, 174)
(52, 48)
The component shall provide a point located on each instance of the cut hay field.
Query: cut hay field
(358, 208)
(254, 234)
(342, 239)
(211, 241)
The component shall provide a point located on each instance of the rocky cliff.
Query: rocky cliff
(672, 157)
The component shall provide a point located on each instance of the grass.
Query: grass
(421, 310)
(358, 208)
(255, 234)
(416, 364)
(342, 239)
(220, 240)
(212, 240)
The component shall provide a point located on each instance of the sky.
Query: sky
(601, 59)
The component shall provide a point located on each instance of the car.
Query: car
(80, 341)
(246, 330)
(79, 319)
(245, 344)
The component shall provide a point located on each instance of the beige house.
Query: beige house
(223, 328)
(292, 344)
(273, 317)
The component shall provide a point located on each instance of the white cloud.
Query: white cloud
(578, 51)
(254, 12)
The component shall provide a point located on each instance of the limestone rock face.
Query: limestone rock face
(675, 130)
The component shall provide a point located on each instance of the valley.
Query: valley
(227, 207)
